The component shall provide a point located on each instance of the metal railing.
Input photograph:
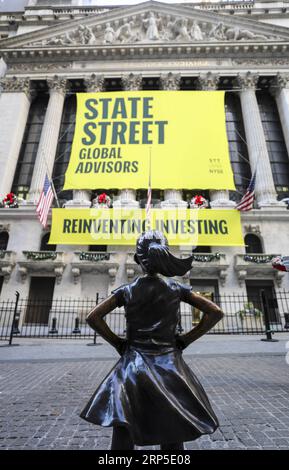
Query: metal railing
(66, 318)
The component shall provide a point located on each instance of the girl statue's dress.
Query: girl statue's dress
(151, 393)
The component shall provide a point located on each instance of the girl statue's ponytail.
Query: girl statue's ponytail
(153, 255)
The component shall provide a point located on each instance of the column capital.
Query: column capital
(94, 83)
(247, 81)
(131, 82)
(170, 81)
(279, 82)
(16, 85)
(208, 81)
(57, 84)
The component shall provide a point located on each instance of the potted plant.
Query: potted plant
(249, 311)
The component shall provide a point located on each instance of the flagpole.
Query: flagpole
(149, 193)
(150, 169)
(50, 179)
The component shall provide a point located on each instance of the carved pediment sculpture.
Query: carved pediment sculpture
(83, 35)
(151, 28)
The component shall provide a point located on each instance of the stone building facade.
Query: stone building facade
(50, 52)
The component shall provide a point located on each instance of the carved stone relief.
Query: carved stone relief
(153, 28)
(39, 67)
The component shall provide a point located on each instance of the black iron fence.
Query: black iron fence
(62, 318)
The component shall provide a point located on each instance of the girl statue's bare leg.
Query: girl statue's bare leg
(121, 439)
(173, 446)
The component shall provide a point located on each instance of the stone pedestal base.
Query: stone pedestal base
(173, 199)
(220, 200)
(127, 199)
(276, 205)
(81, 200)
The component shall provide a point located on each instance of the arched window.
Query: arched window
(29, 148)
(97, 248)
(4, 237)
(275, 143)
(237, 146)
(253, 243)
(202, 249)
(44, 243)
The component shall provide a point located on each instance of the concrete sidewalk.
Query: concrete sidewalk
(44, 386)
(208, 345)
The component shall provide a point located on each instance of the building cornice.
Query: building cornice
(260, 215)
(238, 51)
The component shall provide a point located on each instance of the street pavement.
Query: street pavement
(45, 383)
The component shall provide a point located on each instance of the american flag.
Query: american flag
(246, 203)
(281, 263)
(45, 202)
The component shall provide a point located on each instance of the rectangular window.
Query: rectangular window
(237, 146)
(64, 147)
(29, 148)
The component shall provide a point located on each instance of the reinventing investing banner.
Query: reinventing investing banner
(185, 227)
(180, 135)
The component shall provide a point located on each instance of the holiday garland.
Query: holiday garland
(198, 202)
(102, 200)
(10, 201)
(84, 256)
(259, 259)
(207, 258)
(40, 255)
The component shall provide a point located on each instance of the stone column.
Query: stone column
(266, 196)
(49, 137)
(172, 197)
(220, 198)
(82, 197)
(127, 197)
(280, 90)
(15, 101)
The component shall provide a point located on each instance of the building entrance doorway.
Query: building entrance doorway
(40, 300)
(1, 283)
(207, 288)
(254, 296)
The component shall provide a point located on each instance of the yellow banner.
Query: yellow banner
(123, 226)
(183, 131)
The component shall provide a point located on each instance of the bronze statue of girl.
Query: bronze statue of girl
(151, 396)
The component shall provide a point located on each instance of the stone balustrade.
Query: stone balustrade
(42, 263)
(94, 262)
(256, 265)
